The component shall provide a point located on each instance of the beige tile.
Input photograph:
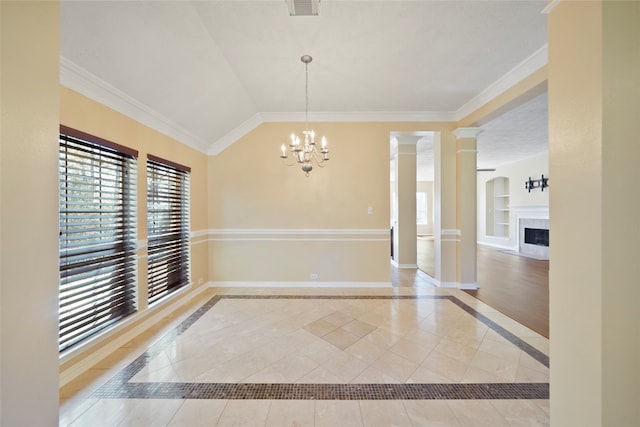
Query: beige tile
(522, 412)
(412, 350)
(321, 375)
(341, 338)
(358, 328)
(503, 350)
(334, 413)
(384, 413)
(477, 413)
(432, 413)
(244, 413)
(198, 413)
(366, 350)
(373, 375)
(289, 369)
(456, 350)
(395, 366)
(505, 369)
(321, 327)
(444, 365)
(291, 413)
(320, 351)
(477, 375)
(338, 318)
(148, 412)
(345, 367)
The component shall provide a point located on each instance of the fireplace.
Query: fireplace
(533, 237)
(536, 236)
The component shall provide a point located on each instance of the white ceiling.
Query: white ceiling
(206, 72)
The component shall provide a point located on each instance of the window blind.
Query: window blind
(97, 203)
(167, 227)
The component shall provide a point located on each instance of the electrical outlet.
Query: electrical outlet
(200, 280)
(313, 276)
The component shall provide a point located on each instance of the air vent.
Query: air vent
(303, 7)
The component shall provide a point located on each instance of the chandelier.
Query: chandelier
(304, 152)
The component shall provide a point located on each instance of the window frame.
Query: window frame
(97, 235)
(168, 229)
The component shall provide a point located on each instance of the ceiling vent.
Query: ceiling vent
(303, 7)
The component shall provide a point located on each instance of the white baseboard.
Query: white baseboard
(313, 284)
(95, 354)
(469, 286)
(446, 285)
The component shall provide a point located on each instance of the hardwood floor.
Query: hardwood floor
(514, 285)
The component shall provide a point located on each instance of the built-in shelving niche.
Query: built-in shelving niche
(497, 207)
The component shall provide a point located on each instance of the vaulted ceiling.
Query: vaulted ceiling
(206, 72)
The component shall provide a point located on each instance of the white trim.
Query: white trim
(299, 235)
(413, 266)
(469, 286)
(466, 150)
(199, 233)
(298, 231)
(550, 6)
(82, 81)
(524, 69)
(339, 116)
(446, 285)
(450, 232)
(235, 134)
(313, 284)
(471, 132)
(151, 317)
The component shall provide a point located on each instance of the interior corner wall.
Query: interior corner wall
(29, 213)
(519, 198)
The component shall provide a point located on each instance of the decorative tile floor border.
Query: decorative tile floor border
(120, 387)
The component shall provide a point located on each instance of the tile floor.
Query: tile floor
(402, 356)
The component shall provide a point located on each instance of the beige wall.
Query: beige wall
(29, 214)
(594, 105)
(81, 113)
(253, 198)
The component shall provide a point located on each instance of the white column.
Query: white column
(444, 228)
(405, 230)
(466, 207)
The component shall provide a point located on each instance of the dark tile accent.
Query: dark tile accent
(326, 391)
(120, 387)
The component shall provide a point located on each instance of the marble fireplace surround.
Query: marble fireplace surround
(531, 217)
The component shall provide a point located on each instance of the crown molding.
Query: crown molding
(524, 69)
(82, 81)
(346, 116)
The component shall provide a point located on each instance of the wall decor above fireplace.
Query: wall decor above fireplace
(532, 184)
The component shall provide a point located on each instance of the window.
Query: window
(97, 180)
(421, 208)
(167, 227)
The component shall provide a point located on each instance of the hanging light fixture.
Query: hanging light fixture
(305, 153)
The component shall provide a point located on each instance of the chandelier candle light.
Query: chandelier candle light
(306, 153)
